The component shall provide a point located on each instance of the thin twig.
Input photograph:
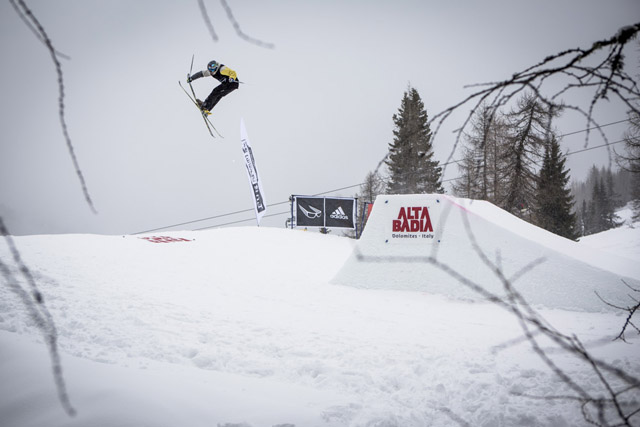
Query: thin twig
(38, 312)
(24, 11)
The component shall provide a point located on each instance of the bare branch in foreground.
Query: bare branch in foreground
(207, 21)
(38, 312)
(240, 33)
(583, 69)
(25, 13)
(617, 398)
(631, 310)
(34, 30)
(234, 22)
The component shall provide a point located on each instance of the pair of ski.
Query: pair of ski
(193, 98)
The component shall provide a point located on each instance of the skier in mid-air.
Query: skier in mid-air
(228, 83)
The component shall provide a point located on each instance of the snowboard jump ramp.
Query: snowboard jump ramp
(428, 242)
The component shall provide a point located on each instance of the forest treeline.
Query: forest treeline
(511, 158)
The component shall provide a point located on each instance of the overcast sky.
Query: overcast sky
(318, 107)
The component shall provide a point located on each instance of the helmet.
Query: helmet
(213, 66)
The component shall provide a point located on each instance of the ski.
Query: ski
(193, 98)
(207, 122)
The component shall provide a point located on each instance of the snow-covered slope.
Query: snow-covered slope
(560, 273)
(242, 327)
(623, 242)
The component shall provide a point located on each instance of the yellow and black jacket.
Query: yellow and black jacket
(223, 74)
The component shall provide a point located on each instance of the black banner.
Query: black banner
(328, 212)
(340, 213)
(309, 211)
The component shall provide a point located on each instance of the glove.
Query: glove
(189, 79)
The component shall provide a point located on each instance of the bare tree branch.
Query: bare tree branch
(606, 79)
(240, 33)
(614, 382)
(207, 21)
(234, 22)
(631, 310)
(33, 29)
(600, 70)
(25, 13)
(38, 312)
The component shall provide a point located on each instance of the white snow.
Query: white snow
(623, 241)
(243, 327)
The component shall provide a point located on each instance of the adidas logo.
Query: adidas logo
(339, 214)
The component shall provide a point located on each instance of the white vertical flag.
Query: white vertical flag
(252, 172)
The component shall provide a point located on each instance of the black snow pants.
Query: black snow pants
(223, 89)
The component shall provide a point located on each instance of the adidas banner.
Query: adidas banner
(340, 213)
(330, 212)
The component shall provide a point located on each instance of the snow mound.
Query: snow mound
(546, 269)
(623, 241)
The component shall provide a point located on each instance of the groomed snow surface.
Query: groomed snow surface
(244, 327)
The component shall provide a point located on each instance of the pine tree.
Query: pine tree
(635, 194)
(412, 169)
(630, 161)
(554, 202)
(529, 123)
(481, 168)
(601, 209)
(583, 219)
(596, 223)
(609, 219)
(466, 185)
(372, 186)
(614, 197)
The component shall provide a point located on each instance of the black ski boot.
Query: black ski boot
(200, 104)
